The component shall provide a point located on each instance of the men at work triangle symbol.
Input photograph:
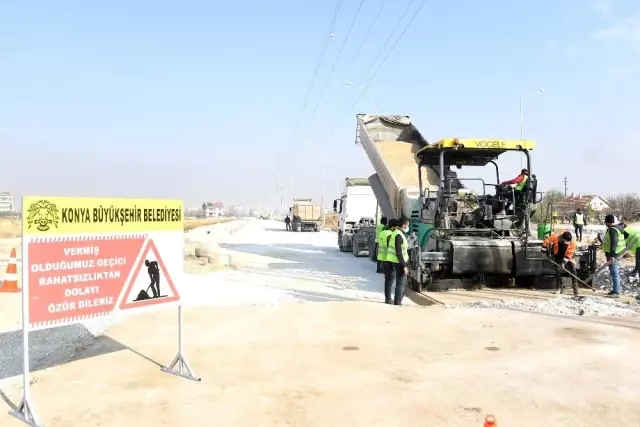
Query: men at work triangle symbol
(154, 276)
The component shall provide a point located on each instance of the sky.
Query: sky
(198, 100)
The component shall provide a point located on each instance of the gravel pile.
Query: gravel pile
(585, 306)
(630, 283)
(47, 348)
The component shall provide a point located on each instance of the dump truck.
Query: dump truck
(458, 238)
(357, 209)
(305, 216)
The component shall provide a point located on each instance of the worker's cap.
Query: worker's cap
(524, 171)
(566, 236)
(609, 219)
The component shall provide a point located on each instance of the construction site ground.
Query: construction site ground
(285, 330)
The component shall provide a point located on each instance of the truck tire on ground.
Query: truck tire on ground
(316, 228)
(354, 248)
(373, 254)
(340, 246)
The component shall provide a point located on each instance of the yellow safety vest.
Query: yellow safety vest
(606, 244)
(579, 220)
(391, 250)
(379, 228)
(520, 186)
(382, 244)
(633, 241)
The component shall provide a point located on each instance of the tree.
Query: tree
(626, 205)
(545, 208)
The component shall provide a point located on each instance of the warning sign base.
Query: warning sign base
(181, 368)
(25, 413)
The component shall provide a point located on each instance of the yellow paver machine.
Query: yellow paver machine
(459, 237)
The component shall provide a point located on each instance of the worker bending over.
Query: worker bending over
(379, 229)
(398, 255)
(632, 244)
(613, 245)
(563, 249)
(387, 267)
(578, 224)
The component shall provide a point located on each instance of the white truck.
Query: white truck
(357, 208)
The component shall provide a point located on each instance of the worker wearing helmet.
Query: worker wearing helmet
(562, 248)
(379, 229)
(520, 182)
(387, 267)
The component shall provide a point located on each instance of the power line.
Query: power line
(355, 56)
(308, 94)
(316, 68)
(343, 111)
(335, 63)
(366, 37)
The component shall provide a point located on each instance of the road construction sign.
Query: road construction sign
(83, 257)
(150, 283)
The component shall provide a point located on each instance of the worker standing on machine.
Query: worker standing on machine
(379, 229)
(578, 224)
(386, 266)
(563, 249)
(398, 255)
(520, 182)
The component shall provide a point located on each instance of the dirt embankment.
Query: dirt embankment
(11, 227)
(191, 223)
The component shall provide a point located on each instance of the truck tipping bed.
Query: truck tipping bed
(391, 143)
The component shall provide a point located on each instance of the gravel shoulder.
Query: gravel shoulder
(336, 364)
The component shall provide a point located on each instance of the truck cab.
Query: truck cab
(357, 210)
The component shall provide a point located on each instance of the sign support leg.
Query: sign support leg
(25, 412)
(179, 365)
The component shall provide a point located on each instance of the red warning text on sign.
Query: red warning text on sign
(75, 278)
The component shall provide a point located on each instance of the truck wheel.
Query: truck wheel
(373, 254)
(316, 229)
(340, 245)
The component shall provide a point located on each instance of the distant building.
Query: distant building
(6, 202)
(213, 209)
(587, 202)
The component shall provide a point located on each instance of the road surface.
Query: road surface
(304, 340)
(264, 258)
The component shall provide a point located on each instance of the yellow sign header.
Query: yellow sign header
(43, 216)
(491, 144)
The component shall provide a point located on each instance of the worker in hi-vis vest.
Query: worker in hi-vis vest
(520, 182)
(398, 255)
(379, 228)
(613, 244)
(387, 267)
(563, 249)
(632, 244)
(578, 223)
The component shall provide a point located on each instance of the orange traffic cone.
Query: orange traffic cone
(10, 283)
(490, 421)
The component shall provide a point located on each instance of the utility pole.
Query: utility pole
(565, 186)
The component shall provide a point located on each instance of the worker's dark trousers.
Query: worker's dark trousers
(288, 224)
(638, 260)
(379, 268)
(389, 277)
(579, 228)
(571, 269)
(401, 284)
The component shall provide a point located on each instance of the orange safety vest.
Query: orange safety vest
(554, 239)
